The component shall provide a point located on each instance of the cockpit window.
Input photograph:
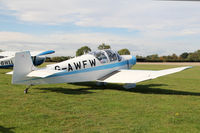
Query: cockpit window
(100, 55)
(112, 55)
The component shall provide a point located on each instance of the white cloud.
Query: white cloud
(164, 27)
(67, 44)
(132, 14)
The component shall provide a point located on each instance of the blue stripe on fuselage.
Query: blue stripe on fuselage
(103, 67)
(118, 64)
(6, 66)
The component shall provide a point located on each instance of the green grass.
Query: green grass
(166, 104)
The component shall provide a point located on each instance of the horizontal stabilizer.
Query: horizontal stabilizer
(135, 76)
(10, 73)
(42, 73)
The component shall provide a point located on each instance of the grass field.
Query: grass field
(166, 104)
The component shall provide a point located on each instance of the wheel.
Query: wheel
(99, 83)
(26, 91)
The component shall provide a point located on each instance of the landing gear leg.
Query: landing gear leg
(129, 86)
(26, 90)
(101, 83)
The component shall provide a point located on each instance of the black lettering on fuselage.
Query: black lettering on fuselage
(57, 67)
(70, 68)
(64, 68)
(92, 63)
(7, 62)
(77, 65)
(84, 63)
(2, 63)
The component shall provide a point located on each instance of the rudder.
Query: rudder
(23, 65)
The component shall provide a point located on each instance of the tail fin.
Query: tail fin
(23, 65)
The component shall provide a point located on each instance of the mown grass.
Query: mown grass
(166, 104)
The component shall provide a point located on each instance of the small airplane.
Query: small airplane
(7, 58)
(102, 66)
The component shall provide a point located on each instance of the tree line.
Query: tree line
(184, 57)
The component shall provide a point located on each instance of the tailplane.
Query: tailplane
(23, 65)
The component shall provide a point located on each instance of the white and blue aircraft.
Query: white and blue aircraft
(7, 58)
(102, 66)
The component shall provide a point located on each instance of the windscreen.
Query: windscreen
(100, 55)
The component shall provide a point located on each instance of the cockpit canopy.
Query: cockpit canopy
(105, 56)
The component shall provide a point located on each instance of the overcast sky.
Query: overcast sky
(143, 26)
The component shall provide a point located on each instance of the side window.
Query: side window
(101, 57)
(119, 57)
(112, 56)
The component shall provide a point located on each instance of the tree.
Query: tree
(58, 59)
(152, 57)
(124, 51)
(184, 55)
(174, 57)
(194, 56)
(83, 50)
(140, 58)
(103, 46)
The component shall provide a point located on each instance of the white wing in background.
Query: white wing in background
(33, 53)
(8, 53)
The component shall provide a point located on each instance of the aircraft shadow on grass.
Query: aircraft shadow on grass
(6, 130)
(143, 89)
(65, 90)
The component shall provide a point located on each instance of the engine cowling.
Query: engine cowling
(38, 60)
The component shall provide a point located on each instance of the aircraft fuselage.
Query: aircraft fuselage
(85, 68)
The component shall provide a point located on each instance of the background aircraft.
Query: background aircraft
(102, 66)
(7, 58)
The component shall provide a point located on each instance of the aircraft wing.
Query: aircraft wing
(135, 76)
(40, 53)
(33, 53)
(38, 73)
(6, 58)
(8, 53)
(10, 73)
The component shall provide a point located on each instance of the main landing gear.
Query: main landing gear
(101, 83)
(129, 86)
(26, 90)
